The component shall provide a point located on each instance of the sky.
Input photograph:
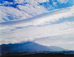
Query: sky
(46, 22)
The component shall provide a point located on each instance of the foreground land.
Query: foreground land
(39, 55)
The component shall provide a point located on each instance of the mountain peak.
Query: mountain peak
(28, 46)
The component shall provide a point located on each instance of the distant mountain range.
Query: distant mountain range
(28, 47)
(31, 47)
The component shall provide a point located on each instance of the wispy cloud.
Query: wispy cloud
(63, 1)
(37, 32)
(25, 9)
(45, 19)
(19, 11)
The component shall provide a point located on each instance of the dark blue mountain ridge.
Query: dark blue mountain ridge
(28, 47)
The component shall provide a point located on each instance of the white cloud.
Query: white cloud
(28, 11)
(7, 3)
(51, 17)
(55, 3)
(37, 32)
(19, 1)
(15, 13)
(63, 1)
(36, 10)
(25, 12)
(36, 1)
(42, 1)
(64, 41)
(55, 16)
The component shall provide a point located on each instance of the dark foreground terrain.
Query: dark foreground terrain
(39, 55)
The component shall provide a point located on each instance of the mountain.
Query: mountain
(28, 47)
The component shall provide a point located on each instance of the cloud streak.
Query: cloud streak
(37, 32)
(16, 11)
(44, 19)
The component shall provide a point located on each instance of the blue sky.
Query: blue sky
(41, 21)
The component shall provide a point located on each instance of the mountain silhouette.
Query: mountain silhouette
(28, 47)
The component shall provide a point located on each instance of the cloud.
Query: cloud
(32, 33)
(36, 1)
(24, 9)
(63, 1)
(42, 1)
(19, 1)
(53, 16)
(64, 41)
(23, 12)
